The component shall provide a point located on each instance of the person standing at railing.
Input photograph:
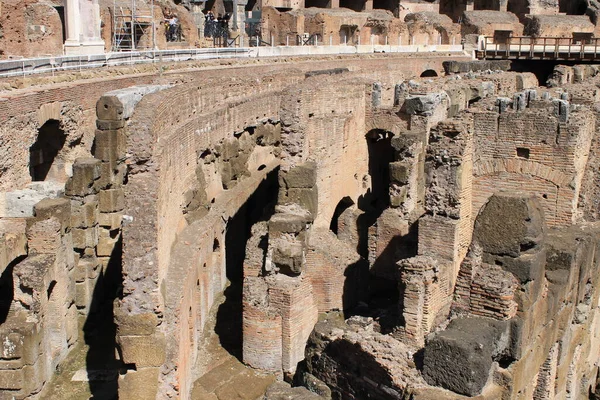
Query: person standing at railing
(173, 23)
(209, 24)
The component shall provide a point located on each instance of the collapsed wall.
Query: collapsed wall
(486, 308)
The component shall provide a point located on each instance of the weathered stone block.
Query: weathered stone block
(301, 176)
(376, 95)
(84, 214)
(110, 221)
(85, 238)
(12, 379)
(288, 223)
(228, 149)
(59, 208)
(109, 108)
(139, 384)
(143, 351)
(11, 345)
(106, 242)
(110, 146)
(398, 196)
(109, 124)
(83, 296)
(83, 268)
(288, 257)
(111, 175)
(135, 324)
(305, 197)
(268, 134)
(424, 104)
(104, 261)
(399, 172)
(509, 224)
(460, 358)
(85, 172)
(111, 200)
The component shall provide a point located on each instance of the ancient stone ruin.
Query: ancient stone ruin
(416, 225)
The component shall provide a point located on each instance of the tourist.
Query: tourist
(173, 23)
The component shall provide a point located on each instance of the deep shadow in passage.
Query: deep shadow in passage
(260, 206)
(99, 330)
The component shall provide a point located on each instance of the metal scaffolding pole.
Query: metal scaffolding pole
(126, 24)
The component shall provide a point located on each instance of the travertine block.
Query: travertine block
(110, 145)
(110, 221)
(85, 172)
(301, 176)
(139, 384)
(84, 214)
(111, 200)
(85, 238)
(143, 351)
(106, 242)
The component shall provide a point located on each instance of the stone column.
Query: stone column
(238, 19)
(72, 22)
(83, 27)
(198, 17)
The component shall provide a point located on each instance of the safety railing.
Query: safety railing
(540, 48)
(32, 66)
(51, 65)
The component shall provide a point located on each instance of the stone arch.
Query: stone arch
(522, 166)
(429, 73)
(342, 206)
(384, 122)
(552, 186)
(42, 154)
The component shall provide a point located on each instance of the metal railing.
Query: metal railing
(32, 66)
(51, 65)
(539, 48)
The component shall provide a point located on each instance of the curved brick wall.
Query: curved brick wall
(168, 132)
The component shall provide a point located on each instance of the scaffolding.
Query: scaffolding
(129, 27)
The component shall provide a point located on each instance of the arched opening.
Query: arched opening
(51, 139)
(348, 34)
(429, 73)
(381, 154)
(61, 14)
(342, 206)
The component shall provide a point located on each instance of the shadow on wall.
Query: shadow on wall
(383, 293)
(259, 207)
(51, 139)
(7, 292)
(99, 330)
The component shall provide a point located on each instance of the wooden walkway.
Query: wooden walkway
(541, 48)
